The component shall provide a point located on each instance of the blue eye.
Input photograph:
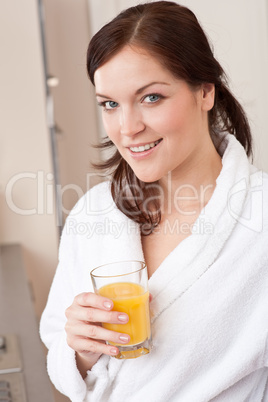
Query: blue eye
(110, 105)
(152, 98)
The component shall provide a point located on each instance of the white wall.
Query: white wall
(25, 155)
(239, 32)
(67, 35)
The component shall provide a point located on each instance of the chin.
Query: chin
(147, 178)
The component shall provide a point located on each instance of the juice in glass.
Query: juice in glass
(132, 299)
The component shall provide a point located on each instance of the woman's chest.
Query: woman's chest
(166, 237)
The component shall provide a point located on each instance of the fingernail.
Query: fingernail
(113, 351)
(107, 304)
(122, 317)
(124, 338)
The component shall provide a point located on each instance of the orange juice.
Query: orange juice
(133, 300)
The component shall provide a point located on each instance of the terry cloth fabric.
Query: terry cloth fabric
(210, 297)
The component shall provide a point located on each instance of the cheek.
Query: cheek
(110, 127)
(105, 125)
(180, 117)
(168, 120)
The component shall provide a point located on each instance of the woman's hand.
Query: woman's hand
(84, 331)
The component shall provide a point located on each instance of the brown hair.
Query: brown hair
(171, 33)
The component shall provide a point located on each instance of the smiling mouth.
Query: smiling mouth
(146, 147)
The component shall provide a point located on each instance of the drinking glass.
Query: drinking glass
(126, 284)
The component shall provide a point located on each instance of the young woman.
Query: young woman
(183, 197)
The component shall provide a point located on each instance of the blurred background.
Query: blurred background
(49, 120)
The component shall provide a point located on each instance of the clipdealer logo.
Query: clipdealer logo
(244, 200)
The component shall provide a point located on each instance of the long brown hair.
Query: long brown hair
(171, 33)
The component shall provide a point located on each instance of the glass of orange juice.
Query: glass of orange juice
(126, 284)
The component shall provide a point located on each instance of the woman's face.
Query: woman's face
(157, 123)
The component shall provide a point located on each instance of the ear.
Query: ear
(208, 95)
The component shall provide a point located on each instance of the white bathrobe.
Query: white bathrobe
(210, 298)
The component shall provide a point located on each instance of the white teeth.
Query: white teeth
(143, 148)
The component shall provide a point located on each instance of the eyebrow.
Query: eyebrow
(138, 90)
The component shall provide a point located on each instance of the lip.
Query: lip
(143, 154)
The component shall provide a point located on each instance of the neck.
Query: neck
(192, 184)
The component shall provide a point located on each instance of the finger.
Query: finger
(89, 299)
(99, 333)
(95, 315)
(89, 346)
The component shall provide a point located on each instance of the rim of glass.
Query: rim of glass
(118, 262)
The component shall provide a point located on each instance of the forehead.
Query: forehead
(131, 67)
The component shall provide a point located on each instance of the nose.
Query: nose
(131, 122)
